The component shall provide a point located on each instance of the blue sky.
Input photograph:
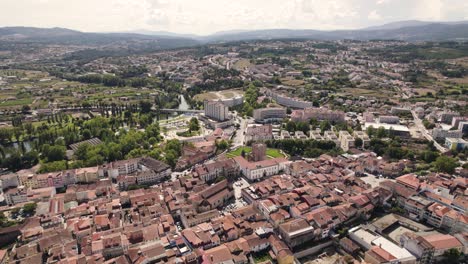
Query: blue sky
(209, 16)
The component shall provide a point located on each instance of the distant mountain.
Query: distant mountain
(407, 31)
(72, 37)
(162, 34)
(152, 40)
(411, 23)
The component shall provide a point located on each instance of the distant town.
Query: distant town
(267, 151)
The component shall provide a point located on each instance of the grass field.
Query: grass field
(241, 64)
(218, 95)
(271, 153)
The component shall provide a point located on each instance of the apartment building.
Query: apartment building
(269, 115)
(258, 133)
(331, 136)
(216, 110)
(320, 114)
(257, 170)
(346, 140)
(389, 119)
(364, 137)
(440, 133)
(288, 101)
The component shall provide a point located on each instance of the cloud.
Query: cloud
(381, 2)
(208, 16)
(373, 15)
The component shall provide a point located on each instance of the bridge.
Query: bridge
(180, 111)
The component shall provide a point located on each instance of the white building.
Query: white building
(257, 170)
(216, 110)
(267, 115)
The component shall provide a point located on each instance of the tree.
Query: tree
(303, 126)
(291, 126)
(381, 133)
(445, 164)
(194, 124)
(325, 125)
(171, 158)
(25, 109)
(358, 142)
(145, 106)
(29, 209)
(222, 145)
(53, 153)
(452, 255)
(86, 133)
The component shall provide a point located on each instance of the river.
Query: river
(183, 103)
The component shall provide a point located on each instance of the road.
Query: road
(239, 138)
(419, 124)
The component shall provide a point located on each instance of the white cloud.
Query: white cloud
(381, 2)
(373, 15)
(208, 16)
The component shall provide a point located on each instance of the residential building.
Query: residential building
(364, 137)
(269, 115)
(210, 171)
(346, 140)
(260, 169)
(440, 133)
(288, 101)
(216, 110)
(16, 195)
(319, 114)
(315, 135)
(258, 133)
(397, 130)
(87, 175)
(446, 117)
(331, 136)
(389, 120)
(296, 232)
(456, 143)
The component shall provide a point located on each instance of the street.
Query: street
(419, 124)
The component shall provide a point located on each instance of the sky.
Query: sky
(204, 17)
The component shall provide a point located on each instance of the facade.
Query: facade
(364, 137)
(456, 143)
(346, 140)
(9, 181)
(209, 172)
(389, 119)
(397, 130)
(192, 218)
(257, 170)
(269, 115)
(258, 133)
(440, 133)
(315, 135)
(319, 114)
(258, 152)
(288, 101)
(296, 232)
(87, 175)
(230, 102)
(331, 136)
(446, 117)
(216, 110)
(16, 195)
(463, 126)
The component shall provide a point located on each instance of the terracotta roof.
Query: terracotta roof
(441, 241)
